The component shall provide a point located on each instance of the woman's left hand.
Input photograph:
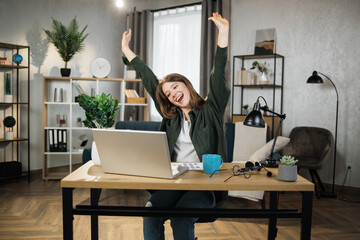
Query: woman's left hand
(221, 23)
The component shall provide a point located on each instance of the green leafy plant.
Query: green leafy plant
(9, 121)
(67, 40)
(246, 106)
(288, 161)
(78, 119)
(100, 111)
(8, 84)
(261, 67)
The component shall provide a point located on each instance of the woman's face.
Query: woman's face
(177, 93)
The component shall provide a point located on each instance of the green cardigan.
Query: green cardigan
(207, 124)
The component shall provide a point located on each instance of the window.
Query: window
(176, 45)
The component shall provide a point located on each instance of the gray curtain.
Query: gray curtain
(141, 30)
(209, 42)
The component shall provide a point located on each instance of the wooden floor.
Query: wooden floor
(34, 211)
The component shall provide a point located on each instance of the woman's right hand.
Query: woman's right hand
(126, 38)
(125, 45)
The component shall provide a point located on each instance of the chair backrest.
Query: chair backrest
(247, 141)
(309, 142)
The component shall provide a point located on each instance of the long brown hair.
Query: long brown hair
(167, 108)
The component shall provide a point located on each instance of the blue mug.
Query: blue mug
(211, 163)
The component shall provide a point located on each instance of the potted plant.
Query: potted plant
(287, 169)
(245, 107)
(9, 122)
(67, 40)
(263, 69)
(8, 97)
(100, 112)
(130, 72)
(78, 122)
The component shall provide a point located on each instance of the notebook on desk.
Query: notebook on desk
(132, 152)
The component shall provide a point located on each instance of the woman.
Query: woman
(194, 127)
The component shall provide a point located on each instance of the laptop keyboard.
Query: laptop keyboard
(191, 166)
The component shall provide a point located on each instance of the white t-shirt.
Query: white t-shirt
(184, 150)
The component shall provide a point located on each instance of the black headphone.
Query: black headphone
(249, 166)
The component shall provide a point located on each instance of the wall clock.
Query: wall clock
(100, 67)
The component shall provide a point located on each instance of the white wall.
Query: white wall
(321, 35)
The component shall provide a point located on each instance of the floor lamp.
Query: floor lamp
(315, 78)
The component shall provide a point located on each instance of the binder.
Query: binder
(56, 147)
(51, 140)
(60, 141)
(64, 139)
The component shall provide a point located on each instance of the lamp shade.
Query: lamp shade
(255, 118)
(315, 78)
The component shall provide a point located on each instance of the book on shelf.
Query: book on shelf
(133, 97)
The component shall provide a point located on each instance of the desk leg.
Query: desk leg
(68, 217)
(94, 196)
(272, 231)
(307, 202)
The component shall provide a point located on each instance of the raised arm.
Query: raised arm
(223, 26)
(219, 93)
(130, 55)
(147, 76)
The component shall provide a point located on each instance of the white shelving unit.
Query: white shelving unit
(72, 110)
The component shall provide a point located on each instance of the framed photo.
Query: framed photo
(265, 41)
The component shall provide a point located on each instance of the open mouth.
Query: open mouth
(180, 98)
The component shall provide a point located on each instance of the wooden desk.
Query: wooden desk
(92, 177)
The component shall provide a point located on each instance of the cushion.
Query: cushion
(247, 141)
(264, 152)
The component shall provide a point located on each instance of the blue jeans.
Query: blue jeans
(183, 228)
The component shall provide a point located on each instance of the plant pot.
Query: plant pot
(94, 154)
(287, 173)
(65, 72)
(8, 98)
(130, 74)
(9, 135)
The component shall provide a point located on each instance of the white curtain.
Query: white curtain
(176, 45)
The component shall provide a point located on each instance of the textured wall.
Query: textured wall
(321, 35)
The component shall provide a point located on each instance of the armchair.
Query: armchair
(312, 146)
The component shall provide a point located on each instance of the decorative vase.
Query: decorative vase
(94, 154)
(287, 173)
(9, 135)
(264, 79)
(8, 98)
(130, 74)
(65, 72)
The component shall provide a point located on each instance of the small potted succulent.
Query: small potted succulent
(9, 122)
(246, 109)
(287, 169)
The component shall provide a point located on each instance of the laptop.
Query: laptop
(138, 153)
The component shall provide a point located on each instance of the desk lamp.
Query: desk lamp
(256, 119)
(315, 78)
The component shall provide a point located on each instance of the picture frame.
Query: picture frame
(265, 42)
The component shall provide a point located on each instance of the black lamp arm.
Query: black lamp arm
(337, 95)
(266, 108)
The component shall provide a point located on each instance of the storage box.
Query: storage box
(138, 100)
(10, 169)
